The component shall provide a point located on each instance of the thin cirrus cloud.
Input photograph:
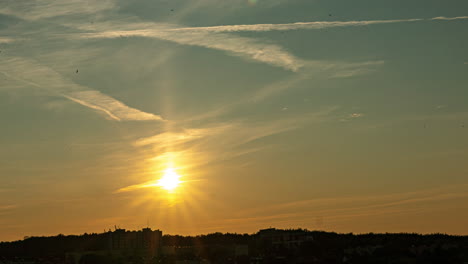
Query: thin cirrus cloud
(361, 206)
(6, 40)
(323, 69)
(40, 9)
(305, 25)
(217, 37)
(239, 46)
(356, 115)
(47, 79)
(450, 18)
(233, 135)
(184, 136)
(239, 133)
(213, 38)
(291, 26)
(7, 207)
(337, 211)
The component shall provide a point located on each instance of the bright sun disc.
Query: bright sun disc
(170, 180)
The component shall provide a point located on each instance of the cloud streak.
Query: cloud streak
(291, 26)
(183, 136)
(216, 37)
(40, 9)
(450, 18)
(6, 40)
(240, 46)
(354, 207)
(47, 79)
(304, 25)
(8, 207)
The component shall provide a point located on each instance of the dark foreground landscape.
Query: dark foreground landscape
(266, 246)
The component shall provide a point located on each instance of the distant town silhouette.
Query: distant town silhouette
(266, 246)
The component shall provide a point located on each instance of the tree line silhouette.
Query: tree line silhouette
(267, 246)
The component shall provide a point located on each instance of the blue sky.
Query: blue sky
(348, 116)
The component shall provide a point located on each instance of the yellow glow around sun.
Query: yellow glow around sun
(170, 180)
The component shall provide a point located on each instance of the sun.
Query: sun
(170, 180)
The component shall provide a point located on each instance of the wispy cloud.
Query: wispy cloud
(45, 78)
(353, 207)
(456, 117)
(183, 136)
(240, 46)
(113, 108)
(291, 26)
(449, 18)
(216, 37)
(7, 207)
(235, 133)
(38, 9)
(6, 40)
(356, 115)
(135, 187)
(257, 96)
(325, 69)
(304, 25)
(207, 139)
(347, 70)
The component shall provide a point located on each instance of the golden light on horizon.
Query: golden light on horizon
(170, 180)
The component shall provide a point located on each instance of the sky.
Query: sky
(335, 115)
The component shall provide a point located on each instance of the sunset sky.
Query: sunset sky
(336, 115)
